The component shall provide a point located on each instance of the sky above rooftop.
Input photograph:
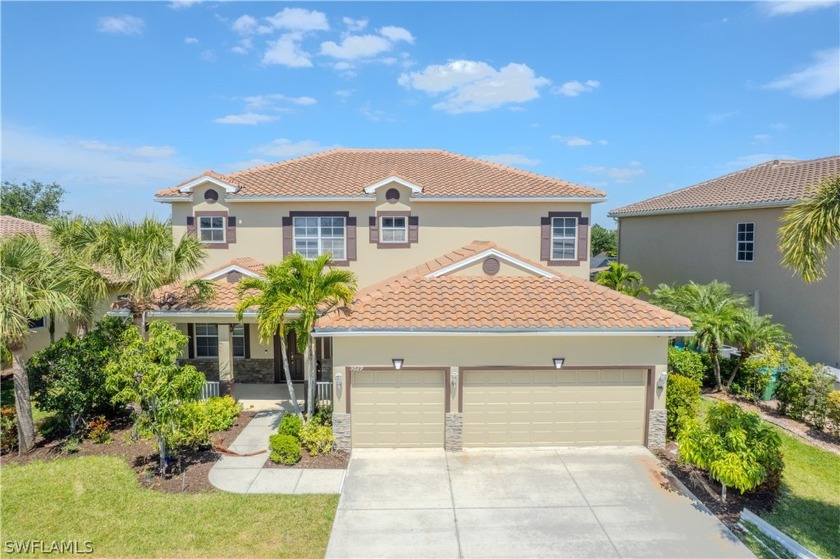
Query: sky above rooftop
(117, 100)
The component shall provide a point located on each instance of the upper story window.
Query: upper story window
(206, 340)
(393, 229)
(745, 242)
(316, 235)
(211, 229)
(36, 323)
(564, 238)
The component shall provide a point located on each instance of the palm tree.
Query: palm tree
(270, 295)
(31, 286)
(314, 289)
(713, 311)
(754, 333)
(810, 229)
(620, 278)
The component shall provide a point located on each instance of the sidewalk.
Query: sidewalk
(245, 474)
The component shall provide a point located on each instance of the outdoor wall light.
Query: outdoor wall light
(339, 378)
(662, 380)
(558, 362)
(397, 363)
(453, 378)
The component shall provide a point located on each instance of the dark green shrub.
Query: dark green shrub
(682, 399)
(8, 428)
(686, 363)
(735, 447)
(726, 367)
(754, 375)
(833, 412)
(285, 449)
(323, 414)
(290, 425)
(803, 391)
(316, 438)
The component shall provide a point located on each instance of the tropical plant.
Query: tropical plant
(686, 363)
(198, 420)
(682, 399)
(755, 373)
(290, 425)
(735, 447)
(31, 286)
(147, 374)
(810, 229)
(713, 311)
(755, 333)
(620, 278)
(603, 240)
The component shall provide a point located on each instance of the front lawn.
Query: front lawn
(99, 499)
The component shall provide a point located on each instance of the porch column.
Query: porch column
(225, 360)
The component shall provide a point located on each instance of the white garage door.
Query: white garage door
(397, 408)
(554, 407)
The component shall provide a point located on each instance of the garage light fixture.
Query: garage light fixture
(338, 382)
(558, 362)
(397, 363)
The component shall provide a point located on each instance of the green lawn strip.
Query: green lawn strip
(98, 499)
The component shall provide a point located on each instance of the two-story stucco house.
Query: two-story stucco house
(475, 323)
(726, 229)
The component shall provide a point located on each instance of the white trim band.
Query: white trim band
(491, 252)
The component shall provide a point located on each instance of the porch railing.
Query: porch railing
(209, 390)
(323, 391)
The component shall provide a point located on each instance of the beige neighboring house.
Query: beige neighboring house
(726, 229)
(475, 322)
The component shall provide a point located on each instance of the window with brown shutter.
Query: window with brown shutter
(564, 238)
(315, 233)
(214, 229)
(394, 229)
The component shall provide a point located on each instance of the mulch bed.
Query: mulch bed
(335, 460)
(190, 475)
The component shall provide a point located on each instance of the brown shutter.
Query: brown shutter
(230, 234)
(247, 328)
(191, 344)
(190, 224)
(351, 238)
(287, 236)
(583, 238)
(373, 229)
(413, 228)
(545, 240)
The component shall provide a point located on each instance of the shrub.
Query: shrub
(682, 399)
(98, 430)
(323, 414)
(686, 363)
(833, 412)
(72, 444)
(803, 391)
(285, 449)
(221, 412)
(735, 447)
(290, 425)
(197, 420)
(726, 366)
(8, 428)
(754, 375)
(316, 438)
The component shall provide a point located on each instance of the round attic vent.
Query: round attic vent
(490, 266)
(211, 195)
(392, 195)
(234, 276)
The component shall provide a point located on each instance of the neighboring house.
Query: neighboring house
(452, 341)
(600, 263)
(726, 229)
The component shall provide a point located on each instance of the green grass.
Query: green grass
(98, 499)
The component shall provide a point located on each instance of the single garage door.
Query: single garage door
(397, 408)
(554, 407)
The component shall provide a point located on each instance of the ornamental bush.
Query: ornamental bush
(316, 438)
(323, 414)
(682, 399)
(290, 425)
(803, 391)
(686, 363)
(754, 374)
(285, 449)
(198, 420)
(833, 412)
(221, 412)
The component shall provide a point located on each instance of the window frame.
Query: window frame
(223, 229)
(196, 336)
(244, 337)
(344, 220)
(749, 245)
(404, 229)
(37, 323)
(552, 239)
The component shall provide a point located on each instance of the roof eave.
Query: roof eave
(352, 332)
(705, 209)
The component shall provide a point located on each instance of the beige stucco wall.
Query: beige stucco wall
(510, 350)
(443, 227)
(701, 247)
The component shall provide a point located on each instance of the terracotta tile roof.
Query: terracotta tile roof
(245, 262)
(13, 225)
(773, 181)
(346, 173)
(411, 301)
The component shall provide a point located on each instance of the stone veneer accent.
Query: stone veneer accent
(341, 430)
(210, 367)
(657, 424)
(257, 371)
(454, 432)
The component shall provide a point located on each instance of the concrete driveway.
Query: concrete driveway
(594, 502)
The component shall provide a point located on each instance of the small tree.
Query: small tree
(147, 374)
(754, 333)
(622, 279)
(34, 200)
(603, 240)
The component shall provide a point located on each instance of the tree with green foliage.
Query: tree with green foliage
(810, 229)
(147, 374)
(603, 240)
(682, 400)
(620, 278)
(32, 285)
(68, 377)
(34, 201)
(754, 333)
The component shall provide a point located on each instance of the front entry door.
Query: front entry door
(295, 359)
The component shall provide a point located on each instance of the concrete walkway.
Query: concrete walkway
(245, 474)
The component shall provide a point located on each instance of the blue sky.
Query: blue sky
(116, 100)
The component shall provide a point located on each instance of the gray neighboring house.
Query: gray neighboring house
(726, 229)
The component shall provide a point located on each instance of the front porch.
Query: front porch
(271, 397)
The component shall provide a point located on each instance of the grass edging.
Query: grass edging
(773, 533)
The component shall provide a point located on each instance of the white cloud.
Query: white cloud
(287, 51)
(788, 8)
(182, 4)
(575, 88)
(511, 160)
(816, 81)
(284, 149)
(246, 118)
(122, 25)
(761, 138)
(190, 40)
(344, 93)
(239, 50)
(355, 24)
(356, 46)
(397, 34)
(249, 25)
(577, 141)
(299, 19)
(475, 86)
(270, 101)
(717, 118)
(618, 174)
(208, 55)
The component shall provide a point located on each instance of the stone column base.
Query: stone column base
(657, 426)
(454, 432)
(341, 430)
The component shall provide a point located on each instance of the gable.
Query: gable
(492, 262)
